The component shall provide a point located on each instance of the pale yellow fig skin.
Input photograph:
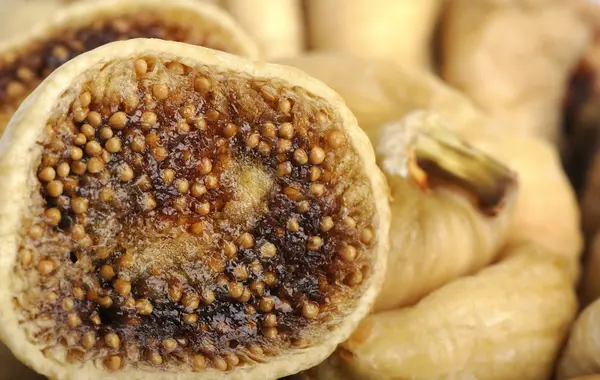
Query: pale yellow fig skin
(435, 239)
(506, 322)
(385, 93)
(395, 30)
(582, 354)
(25, 13)
(514, 58)
(276, 25)
(19, 152)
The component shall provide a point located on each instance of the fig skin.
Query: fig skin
(276, 25)
(25, 13)
(543, 237)
(19, 145)
(514, 58)
(395, 30)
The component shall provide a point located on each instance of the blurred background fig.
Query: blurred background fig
(394, 30)
(276, 25)
(514, 58)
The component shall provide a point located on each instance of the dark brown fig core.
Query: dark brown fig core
(22, 70)
(186, 217)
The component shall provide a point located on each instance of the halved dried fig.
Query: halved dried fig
(168, 208)
(27, 59)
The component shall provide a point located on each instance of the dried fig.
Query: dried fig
(514, 58)
(394, 30)
(172, 209)
(460, 199)
(276, 25)
(30, 57)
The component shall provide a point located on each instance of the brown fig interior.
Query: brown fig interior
(22, 69)
(186, 217)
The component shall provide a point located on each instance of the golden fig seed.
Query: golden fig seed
(113, 145)
(54, 188)
(310, 310)
(169, 345)
(246, 240)
(300, 156)
(63, 169)
(113, 362)
(73, 320)
(143, 307)
(47, 174)
(141, 66)
(118, 120)
(317, 155)
(366, 235)
(95, 165)
(148, 119)
(89, 340)
(122, 287)
(79, 205)
(198, 363)
(160, 91)
(46, 267)
(53, 216)
(112, 340)
(314, 243)
(268, 250)
(94, 119)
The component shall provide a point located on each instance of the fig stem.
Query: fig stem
(433, 156)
